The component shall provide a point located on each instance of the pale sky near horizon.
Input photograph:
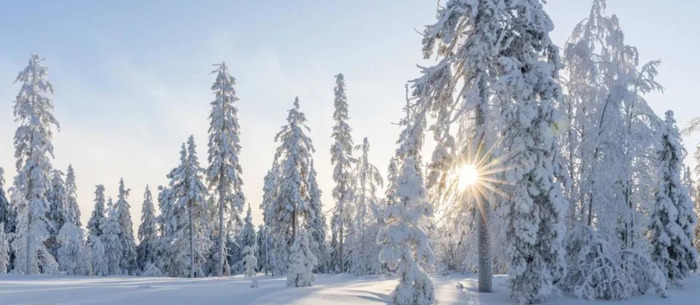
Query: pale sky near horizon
(132, 78)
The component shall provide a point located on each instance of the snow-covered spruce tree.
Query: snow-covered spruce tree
(188, 244)
(672, 219)
(250, 261)
(526, 91)
(95, 229)
(98, 260)
(33, 148)
(316, 224)
(111, 240)
(126, 231)
(4, 251)
(301, 262)
(224, 171)
(367, 213)
(73, 255)
(72, 211)
(341, 157)
(403, 240)
(247, 236)
(97, 217)
(8, 214)
(466, 37)
(147, 249)
(56, 195)
(288, 204)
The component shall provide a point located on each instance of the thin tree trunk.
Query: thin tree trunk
(483, 236)
(220, 250)
(189, 215)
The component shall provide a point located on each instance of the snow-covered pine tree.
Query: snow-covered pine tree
(403, 240)
(367, 213)
(224, 171)
(95, 229)
(250, 261)
(4, 251)
(301, 262)
(247, 236)
(33, 148)
(341, 157)
(188, 244)
(289, 203)
(98, 259)
(97, 217)
(673, 221)
(111, 240)
(316, 224)
(147, 249)
(73, 255)
(7, 213)
(56, 195)
(72, 211)
(128, 263)
(526, 91)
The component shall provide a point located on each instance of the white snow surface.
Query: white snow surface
(328, 289)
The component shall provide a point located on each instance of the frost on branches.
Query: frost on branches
(672, 218)
(301, 262)
(34, 150)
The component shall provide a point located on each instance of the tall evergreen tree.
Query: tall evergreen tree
(148, 235)
(95, 229)
(247, 236)
(111, 240)
(527, 91)
(403, 239)
(33, 109)
(224, 171)
(291, 207)
(673, 220)
(316, 224)
(72, 254)
(57, 198)
(128, 261)
(341, 157)
(367, 215)
(189, 243)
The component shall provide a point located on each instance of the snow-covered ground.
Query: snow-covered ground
(329, 289)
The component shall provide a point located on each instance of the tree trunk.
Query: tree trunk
(220, 250)
(483, 238)
(189, 215)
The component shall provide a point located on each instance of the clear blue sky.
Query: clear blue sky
(132, 77)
